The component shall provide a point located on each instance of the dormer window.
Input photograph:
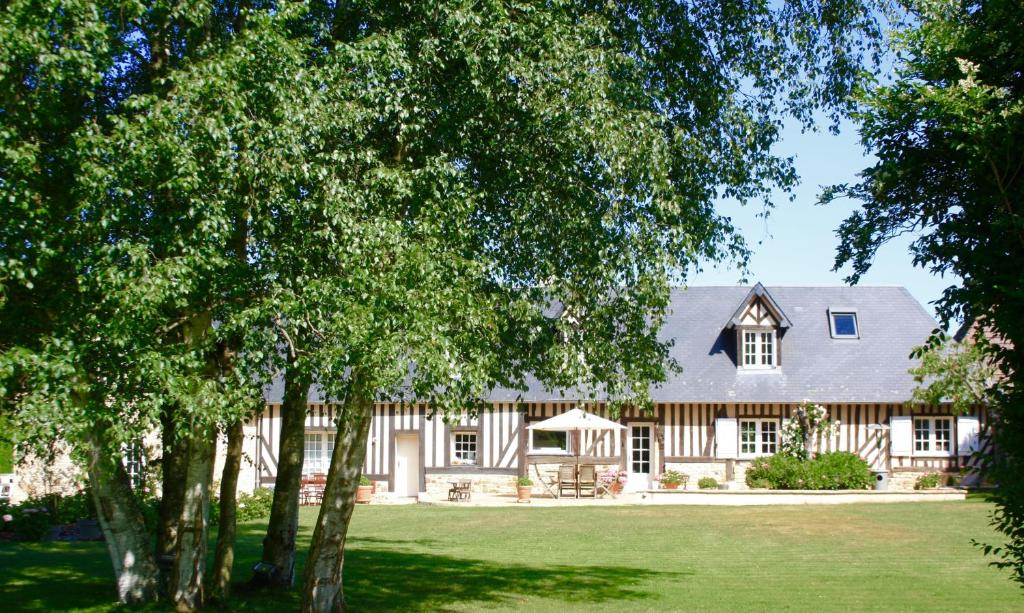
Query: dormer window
(843, 323)
(759, 323)
(758, 348)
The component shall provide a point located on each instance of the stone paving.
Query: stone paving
(708, 497)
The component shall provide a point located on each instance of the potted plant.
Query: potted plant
(672, 479)
(524, 488)
(365, 490)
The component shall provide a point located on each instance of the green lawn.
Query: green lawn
(901, 557)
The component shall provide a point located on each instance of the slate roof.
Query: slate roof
(814, 366)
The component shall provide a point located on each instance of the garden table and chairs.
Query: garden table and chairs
(577, 478)
(312, 489)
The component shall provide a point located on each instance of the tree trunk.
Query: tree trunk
(279, 544)
(188, 573)
(123, 525)
(323, 584)
(225, 556)
(173, 464)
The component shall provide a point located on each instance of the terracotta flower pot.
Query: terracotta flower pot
(669, 486)
(524, 492)
(364, 493)
(616, 487)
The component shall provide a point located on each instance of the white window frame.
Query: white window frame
(758, 344)
(551, 450)
(832, 312)
(456, 460)
(759, 431)
(133, 457)
(323, 463)
(931, 440)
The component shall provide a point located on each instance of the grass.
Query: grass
(899, 557)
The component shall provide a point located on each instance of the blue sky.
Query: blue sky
(796, 244)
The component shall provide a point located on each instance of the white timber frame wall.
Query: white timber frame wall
(683, 432)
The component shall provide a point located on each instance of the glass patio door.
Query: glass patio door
(641, 456)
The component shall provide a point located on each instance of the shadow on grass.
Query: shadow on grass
(380, 575)
(55, 576)
(400, 580)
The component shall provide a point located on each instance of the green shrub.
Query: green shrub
(524, 481)
(707, 483)
(72, 508)
(841, 470)
(759, 484)
(780, 472)
(928, 481)
(255, 505)
(838, 470)
(364, 480)
(30, 523)
(247, 506)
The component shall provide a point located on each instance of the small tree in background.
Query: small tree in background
(961, 374)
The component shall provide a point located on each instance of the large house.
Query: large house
(749, 356)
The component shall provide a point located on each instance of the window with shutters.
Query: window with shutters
(758, 437)
(933, 436)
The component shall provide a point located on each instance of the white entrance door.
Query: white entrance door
(407, 464)
(641, 456)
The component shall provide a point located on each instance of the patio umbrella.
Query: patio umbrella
(576, 420)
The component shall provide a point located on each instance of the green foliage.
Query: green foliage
(6, 446)
(255, 505)
(31, 520)
(760, 484)
(842, 470)
(364, 480)
(416, 201)
(947, 131)
(838, 470)
(248, 507)
(928, 481)
(707, 483)
(73, 508)
(524, 481)
(961, 374)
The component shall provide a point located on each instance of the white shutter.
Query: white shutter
(726, 438)
(901, 435)
(967, 428)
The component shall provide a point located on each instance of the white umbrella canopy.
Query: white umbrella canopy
(576, 420)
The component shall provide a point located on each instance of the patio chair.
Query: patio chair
(549, 481)
(588, 480)
(461, 491)
(566, 479)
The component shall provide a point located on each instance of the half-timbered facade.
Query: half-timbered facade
(750, 356)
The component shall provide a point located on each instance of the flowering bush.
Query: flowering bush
(611, 476)
(803, 432)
